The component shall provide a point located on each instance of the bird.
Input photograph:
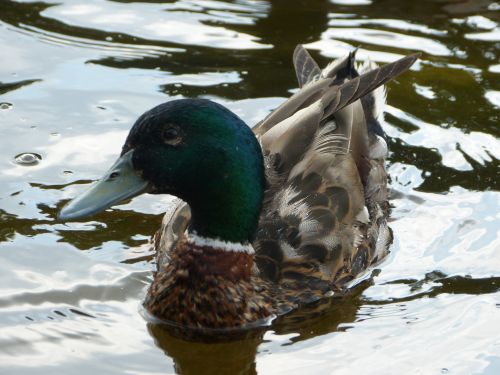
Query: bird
(268, 219)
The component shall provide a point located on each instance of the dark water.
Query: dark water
(75, 74)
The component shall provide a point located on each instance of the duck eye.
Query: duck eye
(171, 135)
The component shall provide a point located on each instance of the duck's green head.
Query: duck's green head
(196, 150)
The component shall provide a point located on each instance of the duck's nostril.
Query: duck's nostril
(114, 175)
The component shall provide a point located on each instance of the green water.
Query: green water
(74, 75)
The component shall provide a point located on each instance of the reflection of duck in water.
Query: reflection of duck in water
(220, 358)
(274, 219)
(229, 354)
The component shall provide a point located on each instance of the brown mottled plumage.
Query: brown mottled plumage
(206, 287)
(324, 215)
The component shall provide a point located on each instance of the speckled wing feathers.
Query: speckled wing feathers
(324, 214)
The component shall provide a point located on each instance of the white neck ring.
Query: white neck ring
(217, 243)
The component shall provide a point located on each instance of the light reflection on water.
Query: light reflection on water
(75, 75)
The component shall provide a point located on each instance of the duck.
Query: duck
(268, 219)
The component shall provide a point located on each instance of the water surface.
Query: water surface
(74, 75)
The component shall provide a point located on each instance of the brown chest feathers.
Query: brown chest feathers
(211, 288)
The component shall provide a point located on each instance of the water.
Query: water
(76, 74)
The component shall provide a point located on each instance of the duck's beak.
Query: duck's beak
(119, 183)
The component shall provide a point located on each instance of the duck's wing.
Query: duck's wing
(174, 224)
(324, 213)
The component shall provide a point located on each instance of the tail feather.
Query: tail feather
(306, 68)
(290, 130)
(341, 69)
(358, 87)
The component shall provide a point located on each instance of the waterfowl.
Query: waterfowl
(267, 220)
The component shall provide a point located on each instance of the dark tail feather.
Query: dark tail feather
(343, 68)
(357, 87)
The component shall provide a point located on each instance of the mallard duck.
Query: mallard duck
(267, 220)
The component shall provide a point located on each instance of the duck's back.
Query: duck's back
(324, 219)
